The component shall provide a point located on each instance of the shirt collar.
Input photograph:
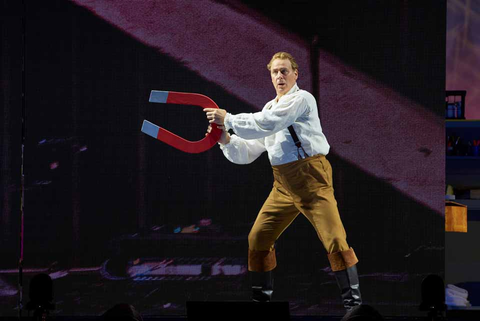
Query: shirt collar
(292, 90)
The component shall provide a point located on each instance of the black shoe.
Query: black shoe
(262, 286)
(348, 283)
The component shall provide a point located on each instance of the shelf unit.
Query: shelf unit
(462, 123)
(464, 171)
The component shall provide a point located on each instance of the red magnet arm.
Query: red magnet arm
(172, 97)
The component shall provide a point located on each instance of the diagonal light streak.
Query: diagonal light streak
(220, 44)
(382, 132)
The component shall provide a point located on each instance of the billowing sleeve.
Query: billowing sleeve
(241, 151)
(268, 121)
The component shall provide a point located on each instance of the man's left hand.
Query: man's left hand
(215, 115)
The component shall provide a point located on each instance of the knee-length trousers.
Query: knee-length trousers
(304, 186)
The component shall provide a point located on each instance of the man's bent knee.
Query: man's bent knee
(260, 241)
(337, 244)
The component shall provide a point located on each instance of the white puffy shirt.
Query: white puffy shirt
(267, 130)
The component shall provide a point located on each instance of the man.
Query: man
(302, 178)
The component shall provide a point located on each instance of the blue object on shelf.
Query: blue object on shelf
(455, 109)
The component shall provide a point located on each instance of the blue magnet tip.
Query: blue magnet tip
(150, 129)
(157, 96)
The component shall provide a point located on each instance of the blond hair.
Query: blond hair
(283, 55)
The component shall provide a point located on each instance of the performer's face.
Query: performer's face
(283, 76)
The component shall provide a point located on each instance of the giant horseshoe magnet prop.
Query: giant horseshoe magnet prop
(179, 98)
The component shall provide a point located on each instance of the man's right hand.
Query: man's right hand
(224, 139)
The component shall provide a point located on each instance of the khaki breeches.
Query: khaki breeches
(304, 186)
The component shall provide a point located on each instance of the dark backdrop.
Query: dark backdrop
(101, 198)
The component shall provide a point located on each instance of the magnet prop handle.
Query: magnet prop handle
(179, 98)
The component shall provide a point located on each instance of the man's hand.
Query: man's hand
(215, 115)
(224, 139)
